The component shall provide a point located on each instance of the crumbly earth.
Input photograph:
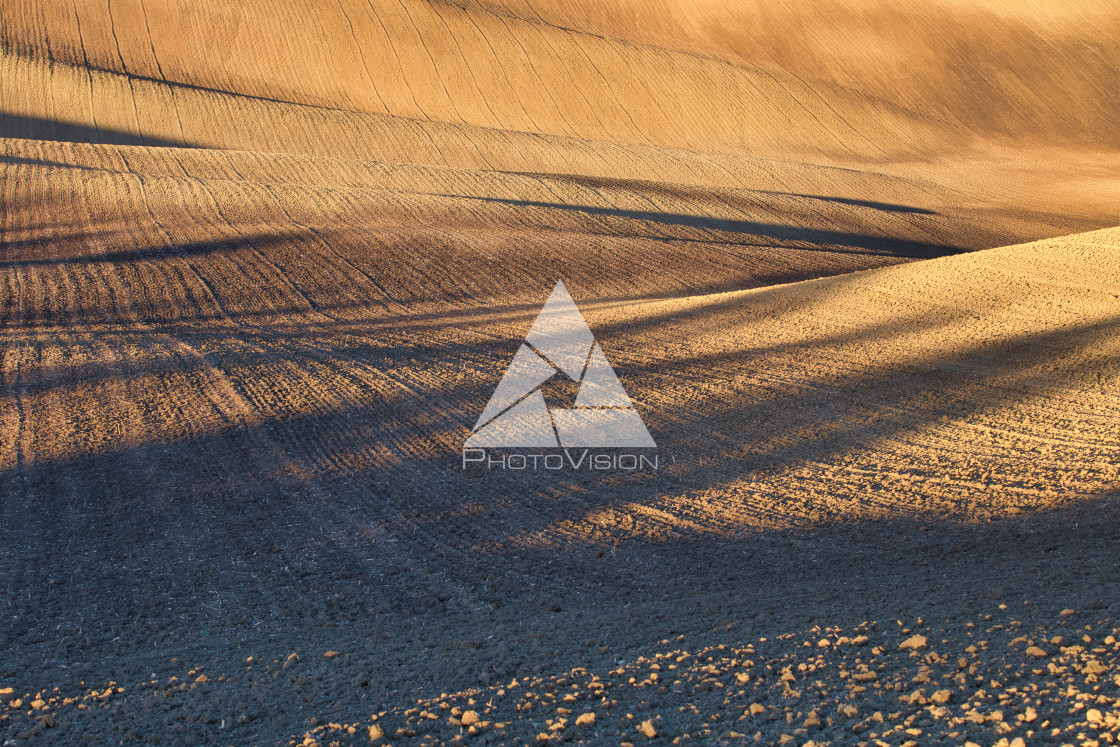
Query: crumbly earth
(263, 263)
(998, 682)
(1006, 686)
(195, 514)
(155, 599)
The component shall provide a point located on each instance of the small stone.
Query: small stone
(916, 698)
(1093, 667)
(941, 697)
(375, 733)
(646, 729)
(1093, 716)
(585, 719)
(468, 718)
(1030, 714)
(330, 654)
(1067, 612)
(1036, 652)
(291, 661)
(757, 709)
(913, 643)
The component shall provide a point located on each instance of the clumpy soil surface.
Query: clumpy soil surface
(885, 512)
(993, 634)
(263, 263)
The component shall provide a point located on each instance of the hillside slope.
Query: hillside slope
(263, 263)
(1011, 101)
(899, 443)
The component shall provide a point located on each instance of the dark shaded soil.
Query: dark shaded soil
(118, 653)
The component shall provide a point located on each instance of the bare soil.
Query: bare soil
(262, 264)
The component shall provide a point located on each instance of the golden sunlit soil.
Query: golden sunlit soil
(262, 265)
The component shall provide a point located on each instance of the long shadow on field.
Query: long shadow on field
(736, 198)
(771, 231)
(57, 247)
(386, 279)
(344, 524)
(408, 428)
(39, 128)
(886, 207)
(380, 341)
(44, 163)
(772, 425)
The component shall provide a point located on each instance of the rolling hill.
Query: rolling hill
(264, 263)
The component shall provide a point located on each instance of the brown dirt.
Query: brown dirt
(263, 266)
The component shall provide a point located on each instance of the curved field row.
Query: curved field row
(263, 263)
(416, 61)
(166, 235)
(265, 484)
